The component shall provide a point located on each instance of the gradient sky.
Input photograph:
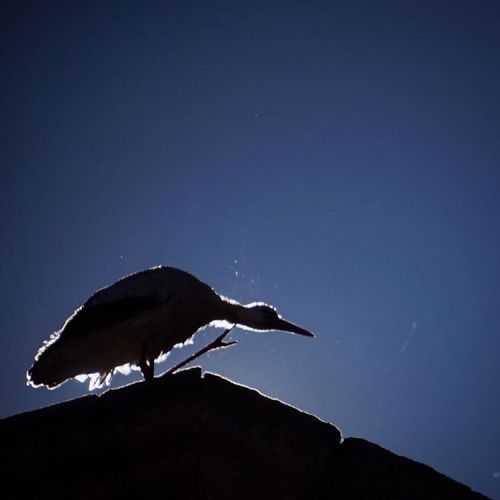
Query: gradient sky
(339, 160)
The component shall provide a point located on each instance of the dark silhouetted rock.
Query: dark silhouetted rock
(192, 437)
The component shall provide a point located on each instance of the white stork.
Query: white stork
(138, 320)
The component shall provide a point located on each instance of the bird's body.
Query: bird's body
(135, 321)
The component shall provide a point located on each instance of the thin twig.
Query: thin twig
(218, 343)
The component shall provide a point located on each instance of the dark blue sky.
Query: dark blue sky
(339, 160)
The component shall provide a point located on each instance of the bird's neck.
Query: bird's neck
(235, 313)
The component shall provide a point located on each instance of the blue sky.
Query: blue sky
(339, 160)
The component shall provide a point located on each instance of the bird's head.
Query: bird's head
(263, 317)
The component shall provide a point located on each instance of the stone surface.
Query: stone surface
(192, 437)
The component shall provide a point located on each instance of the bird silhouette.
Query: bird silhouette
(137, 320)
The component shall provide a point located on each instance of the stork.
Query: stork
(136, 321)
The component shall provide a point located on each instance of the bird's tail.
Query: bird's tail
(43, 372)
(34, 376)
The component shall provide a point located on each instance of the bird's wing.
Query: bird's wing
(90, 318)
(159, 282)
(128, 297)
(116, 303)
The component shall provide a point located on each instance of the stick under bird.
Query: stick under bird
(138, 320)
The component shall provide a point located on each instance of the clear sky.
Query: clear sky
(339, 160)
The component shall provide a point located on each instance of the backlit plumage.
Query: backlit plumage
(138, 320)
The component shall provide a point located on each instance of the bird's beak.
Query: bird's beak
(286, 326)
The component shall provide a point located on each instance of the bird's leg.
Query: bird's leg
(148, 370)
(147, 367)
(218, 343)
